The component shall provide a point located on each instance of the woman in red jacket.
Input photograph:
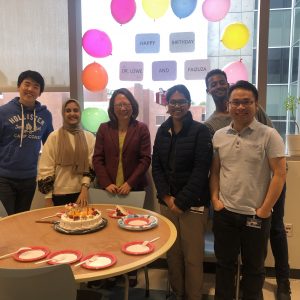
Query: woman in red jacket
(122, 153)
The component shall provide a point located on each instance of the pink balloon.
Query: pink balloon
(236, 71)
(96, 43)
(123, 10)
(215, 10)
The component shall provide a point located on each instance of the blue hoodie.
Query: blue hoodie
(22, 130)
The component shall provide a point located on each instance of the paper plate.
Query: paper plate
(138, 222)
(64, 257)
(137, 248)
(32, 254)
(100, 260)
(80, 231)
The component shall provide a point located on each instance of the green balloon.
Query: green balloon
(92, 117)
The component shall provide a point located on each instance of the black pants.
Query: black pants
(278, 239)
(16, 194)
(231, 237)
(64, 199)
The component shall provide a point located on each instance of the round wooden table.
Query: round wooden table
(21, 230)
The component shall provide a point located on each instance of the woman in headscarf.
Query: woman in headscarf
(65, 166)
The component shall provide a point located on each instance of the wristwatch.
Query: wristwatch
(86, 185)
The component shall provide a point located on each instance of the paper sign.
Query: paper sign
(196, 69)
(147, 43)
(182, 42)
(164, 70)
(131, 71)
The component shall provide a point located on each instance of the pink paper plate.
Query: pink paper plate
(139, 221)
(101, 260)
(32, 254)
(137, 248)
(64, 257)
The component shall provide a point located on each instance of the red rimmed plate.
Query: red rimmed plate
(138, 221)
(32, 254)
(137, 248)
(64, 257)
(100, 260)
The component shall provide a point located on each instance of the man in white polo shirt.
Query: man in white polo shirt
(247, 176)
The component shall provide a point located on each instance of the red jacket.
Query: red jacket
(136, 156)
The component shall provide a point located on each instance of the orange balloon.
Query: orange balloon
(94, 77)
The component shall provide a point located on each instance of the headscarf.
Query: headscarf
(67, 156)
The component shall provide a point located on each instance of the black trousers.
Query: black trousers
(16, 194)
(233, 236)
(64, 199)
(278, 239)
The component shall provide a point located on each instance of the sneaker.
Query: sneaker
(283, 290)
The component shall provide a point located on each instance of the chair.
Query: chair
(3, 212)
(46, 283)
(135, 199)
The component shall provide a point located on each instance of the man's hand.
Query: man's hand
(112, 188)
(124, 189)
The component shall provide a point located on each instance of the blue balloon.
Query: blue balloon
(183, 8)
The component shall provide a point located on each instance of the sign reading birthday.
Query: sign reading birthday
(147, 43)
(131, 71)
(182, 42)
(164, 70)
(196, 69)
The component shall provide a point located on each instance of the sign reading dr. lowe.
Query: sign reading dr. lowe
(182, 42)
(196, 69)
(131, 71)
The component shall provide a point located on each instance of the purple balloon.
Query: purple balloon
(123, 10)
(96, 43)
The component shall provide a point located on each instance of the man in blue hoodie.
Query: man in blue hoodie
(24, 124)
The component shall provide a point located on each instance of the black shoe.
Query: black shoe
(283, 290)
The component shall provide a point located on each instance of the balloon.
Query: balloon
(123, 10)
(155, 8)
(215, 10)
(235, 36)
(235, 71)
(96, 43)
(92, 117)
(94, 77)
(183, 8)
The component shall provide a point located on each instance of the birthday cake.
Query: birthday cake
(80, 218)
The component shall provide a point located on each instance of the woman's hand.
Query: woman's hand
(124, 189)
(48, 202)
(83, 197)
(112, 188)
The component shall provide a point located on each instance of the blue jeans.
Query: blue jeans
(232, 236)
(278, 239)
(16, 194)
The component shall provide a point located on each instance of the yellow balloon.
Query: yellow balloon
(235, 36)
(155, 8)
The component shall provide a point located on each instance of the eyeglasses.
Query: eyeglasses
(120, 105)
(180, 102)
(245, 103)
